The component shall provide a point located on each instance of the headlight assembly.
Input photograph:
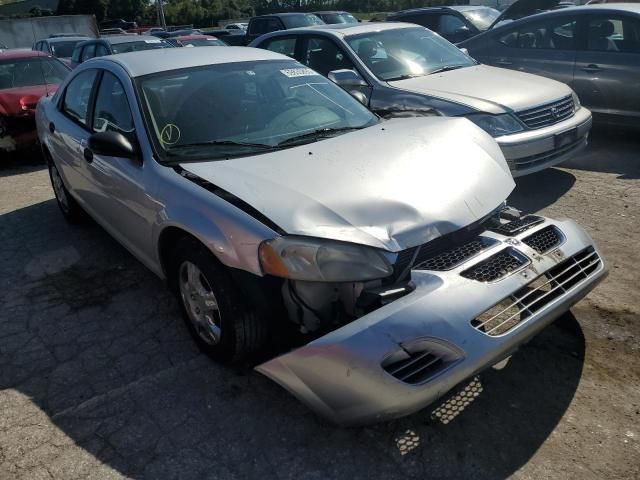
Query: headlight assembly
(317, 260)
(496, 125)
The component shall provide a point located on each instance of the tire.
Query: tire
(229, 334)
(70, 209)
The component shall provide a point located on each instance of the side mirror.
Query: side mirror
(358, 95)
(346, 78)
(29, 102)
(462, 32)
(465, 51)
(111, 144)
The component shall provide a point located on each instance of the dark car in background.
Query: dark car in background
(279, 21)
(61, 46)
(595, 49)
(455, 23)
(336, 16)
(25, 76)
(101, 47)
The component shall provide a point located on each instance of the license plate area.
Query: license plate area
(566, 138)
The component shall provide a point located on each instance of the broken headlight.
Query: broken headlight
(496, 125)
(317, 260)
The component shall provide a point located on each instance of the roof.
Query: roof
(19, 53)
(287, 14)
(147, 62)
(348, 29)
(460, 8)
(628, 7)
(66, 39)
(327, 12)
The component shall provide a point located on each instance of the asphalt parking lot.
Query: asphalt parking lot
(100, 379)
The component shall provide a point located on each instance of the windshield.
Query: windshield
(64, 49)
(244, 108)
(202, 42)
(29, 72)
(139, 45)
(407, 52)
(481, 17)
(339, 18)
(295, 21)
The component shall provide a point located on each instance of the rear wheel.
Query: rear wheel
(224, 326)
(68, 206)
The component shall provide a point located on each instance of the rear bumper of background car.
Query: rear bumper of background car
(534, 150)
(404, 355)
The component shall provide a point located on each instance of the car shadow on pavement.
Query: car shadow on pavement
(539, 190)
(94, 340)
(17, 163)
(611, 150)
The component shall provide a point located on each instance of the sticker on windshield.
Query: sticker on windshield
(152, 41)
(170, 134)
(298, 72)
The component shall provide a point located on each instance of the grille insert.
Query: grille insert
(416, 368)
(544, 240)
(497, 266)
(510, 312)
(516, 226)
(549, 114)
(451, 258)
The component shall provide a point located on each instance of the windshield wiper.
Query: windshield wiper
(404, 77)
(447, 68)
(223, 143)
(319, 133)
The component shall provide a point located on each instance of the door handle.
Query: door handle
(592, 67)
(52, 127)
(88, 155)
(504, 63)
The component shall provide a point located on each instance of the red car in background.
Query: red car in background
(25, 76)
(196, 41)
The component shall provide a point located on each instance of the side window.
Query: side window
(258, 26)
(285, 46)
(112, 112)
(610, 34)
(448, 25)
(323, 56)
(77, 96)
(273, 25)
(101, 50)
(427, 20)
(88, 52)
(555, 35)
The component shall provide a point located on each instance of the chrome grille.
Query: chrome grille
(527, 301)
(544, 240)
(516, 226)
(548, 114)
(496, 266)
(452, 257)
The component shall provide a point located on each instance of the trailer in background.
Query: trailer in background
(24, 32)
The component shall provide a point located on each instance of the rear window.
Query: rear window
(28, 72)
(295, 21)
(140, 45)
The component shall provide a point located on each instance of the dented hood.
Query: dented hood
(487, 89)
(393, 185)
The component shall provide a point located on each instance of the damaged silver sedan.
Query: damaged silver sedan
(375, 259)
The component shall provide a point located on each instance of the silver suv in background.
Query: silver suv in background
(403, 69)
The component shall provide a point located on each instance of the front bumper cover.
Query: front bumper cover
(340, 375)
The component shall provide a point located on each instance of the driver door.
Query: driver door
(120, 197)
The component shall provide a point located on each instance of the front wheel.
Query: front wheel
(221, 322)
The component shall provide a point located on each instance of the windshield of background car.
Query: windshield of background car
(64, 49)
(407, 52)
(482, 17)
(203, 42)
(29, 72)
(139, 45)
(295, 21)
(244, 108)
(339, 18)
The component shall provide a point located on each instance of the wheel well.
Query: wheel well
(169, 237)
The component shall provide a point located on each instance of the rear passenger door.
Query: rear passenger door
(607, 78)
(544, 48)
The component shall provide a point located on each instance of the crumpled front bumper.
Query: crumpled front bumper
(341, 376)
